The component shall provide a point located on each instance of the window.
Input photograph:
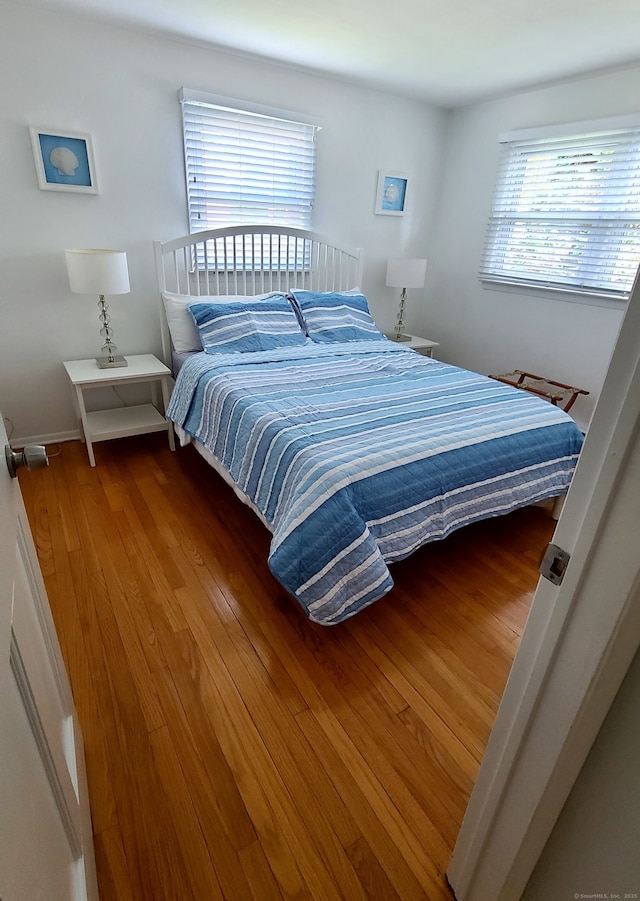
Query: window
(246, 165)
(566, 213)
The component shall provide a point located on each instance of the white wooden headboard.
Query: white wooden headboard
(252, 259)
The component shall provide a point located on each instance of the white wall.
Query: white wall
(60, 72)
(495, 331)
(594, 845)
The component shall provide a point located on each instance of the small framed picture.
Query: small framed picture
(391, 196)
(64, 162)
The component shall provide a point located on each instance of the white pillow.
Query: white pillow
(182, 328)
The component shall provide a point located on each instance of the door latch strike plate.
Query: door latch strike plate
(554, 564)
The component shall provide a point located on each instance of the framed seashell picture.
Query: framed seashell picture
(391, 193)
(64, 161)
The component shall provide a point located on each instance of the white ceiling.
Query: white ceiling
(450, 52)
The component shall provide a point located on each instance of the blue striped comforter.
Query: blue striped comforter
(358, 454)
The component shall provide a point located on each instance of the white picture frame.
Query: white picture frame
(391, 193)
(64, 161)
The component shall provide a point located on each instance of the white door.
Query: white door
(579, 641)
(46, 849)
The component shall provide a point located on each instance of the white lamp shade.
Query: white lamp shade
(95, 271)
(406, 273)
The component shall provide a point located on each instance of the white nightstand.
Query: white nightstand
(420, 345)
(121, 421)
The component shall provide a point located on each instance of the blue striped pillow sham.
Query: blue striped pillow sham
(332, 316)
(242, 326)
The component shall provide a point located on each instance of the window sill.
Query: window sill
(555, 294)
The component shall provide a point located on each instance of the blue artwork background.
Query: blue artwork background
(82, 175)
(401, 186)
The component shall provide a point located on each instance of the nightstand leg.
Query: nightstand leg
(84, 431)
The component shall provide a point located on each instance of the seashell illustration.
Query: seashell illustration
(64, 160)
(391, 193)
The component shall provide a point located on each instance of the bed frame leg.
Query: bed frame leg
(558, 504)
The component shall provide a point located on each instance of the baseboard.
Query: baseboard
(54, 438)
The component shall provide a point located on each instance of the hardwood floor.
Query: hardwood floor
(234, 749)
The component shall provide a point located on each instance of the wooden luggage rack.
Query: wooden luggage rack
(556, 392)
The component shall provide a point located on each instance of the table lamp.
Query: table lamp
(100, 272)
(404, 274)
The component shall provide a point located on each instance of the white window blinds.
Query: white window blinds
(246, 167)
(566, 214)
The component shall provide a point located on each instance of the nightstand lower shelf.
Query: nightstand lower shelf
(123, 422)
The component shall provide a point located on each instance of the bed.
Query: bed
(353, 450)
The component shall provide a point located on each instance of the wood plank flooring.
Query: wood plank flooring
(234, 749)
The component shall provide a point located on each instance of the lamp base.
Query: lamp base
(400, 337)
(107, 363)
